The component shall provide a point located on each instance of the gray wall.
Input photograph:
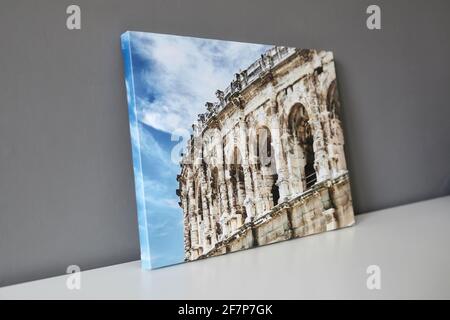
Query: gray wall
(66, 184)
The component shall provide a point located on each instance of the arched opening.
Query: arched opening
(198, 194)
(275, 191)
(300, 133)
(333, 102)
(218, 229)
(215, 186)
(238, 181)
(264, 146)
(265, 156)
(215, 198)
(334, 132)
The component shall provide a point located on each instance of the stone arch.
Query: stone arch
(333, 102)
(252, 144)
(229, 146)
(266, 163)
(300, 140)
(211, 138)
(333, 105)
(335, 134)
(295, 95)
(264, 150)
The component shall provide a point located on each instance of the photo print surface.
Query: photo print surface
(235, 145)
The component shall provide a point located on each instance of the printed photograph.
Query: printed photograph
(234, 145)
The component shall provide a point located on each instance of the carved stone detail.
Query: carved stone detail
(273, 168)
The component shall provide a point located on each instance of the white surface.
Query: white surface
(410, 244)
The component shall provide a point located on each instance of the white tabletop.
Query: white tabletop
(410, 244)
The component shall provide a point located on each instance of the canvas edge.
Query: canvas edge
(145, 254)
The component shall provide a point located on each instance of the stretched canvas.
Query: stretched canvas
(235, 145)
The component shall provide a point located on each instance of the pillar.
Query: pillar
(259, 189)
(249, 200)
(223, 191)
(280, 161)
(296, 164)
(320, 152)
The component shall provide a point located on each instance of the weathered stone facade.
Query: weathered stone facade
(266, 162)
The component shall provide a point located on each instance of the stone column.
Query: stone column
(223, 225)
(296, 164)
(324, 118)
(223, 191)
(192, 221)
(190, 191)
(249, 199)
(230, 190)
(205, 207)
(231, 195)
(184, 203)
(213, 209)
(259, 189)
(280, 161)
(198, 205)
(335, 148)
(321, 164)
(268, 181)
(194, 231)
(254, 170)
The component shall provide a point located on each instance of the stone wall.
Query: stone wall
(266, 162)
(311, 213)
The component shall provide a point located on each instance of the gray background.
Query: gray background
(66, 184)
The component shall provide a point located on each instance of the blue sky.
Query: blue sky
(173, 77)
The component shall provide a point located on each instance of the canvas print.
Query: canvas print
(235, 145)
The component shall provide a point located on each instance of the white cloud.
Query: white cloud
(185, 73)
(153, 191)
(167, 203)
(151, 185)
(171, 202)
(150, 148)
